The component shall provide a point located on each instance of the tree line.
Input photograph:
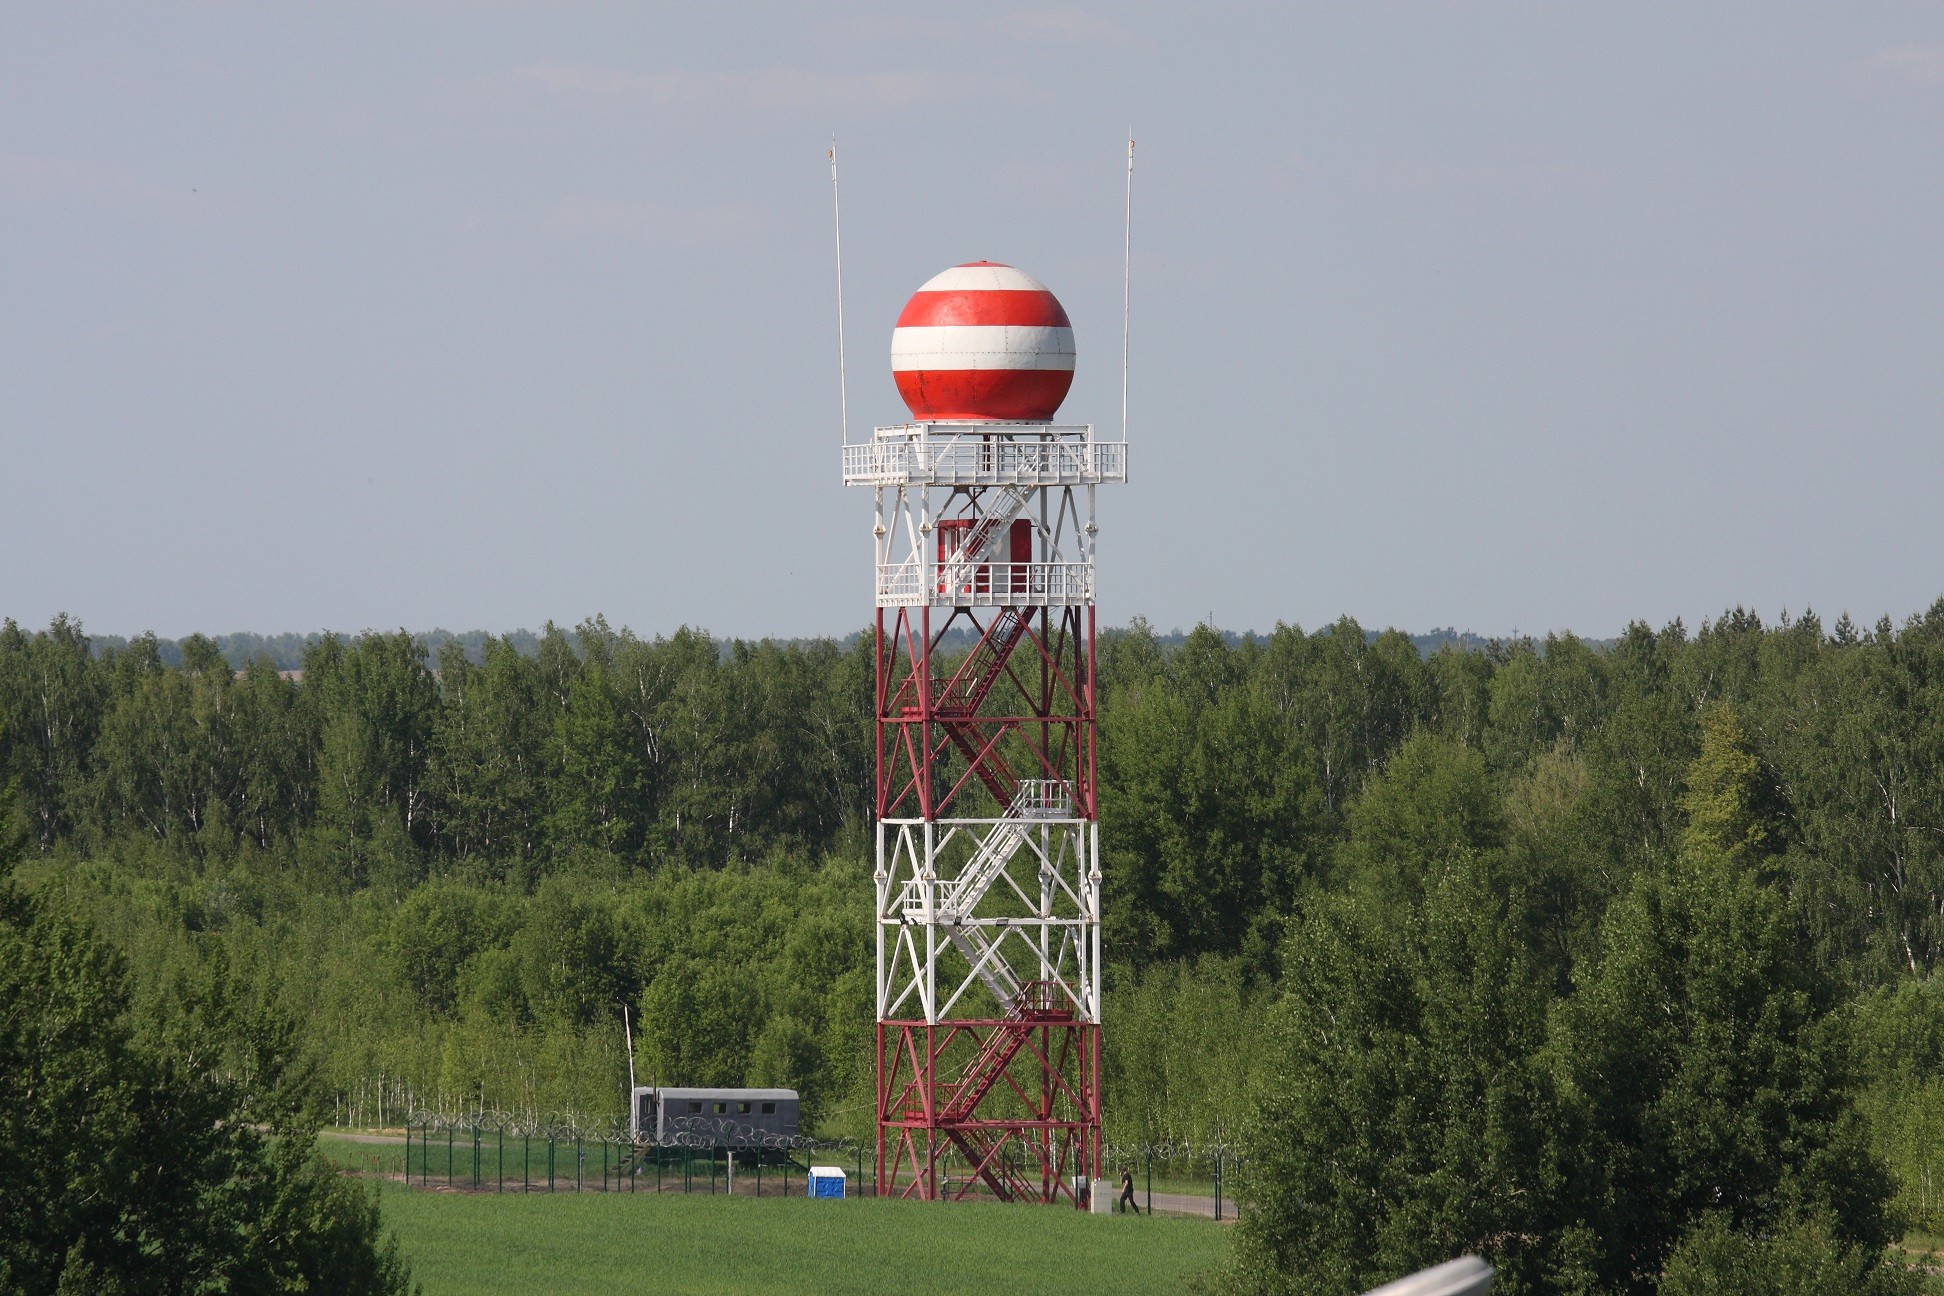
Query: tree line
(1614, 961)
(377, 763)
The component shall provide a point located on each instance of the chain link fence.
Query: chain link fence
(491, 1153)
(1178, 1176)
(496, 1152)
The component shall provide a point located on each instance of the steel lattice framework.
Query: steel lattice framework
(988, 869)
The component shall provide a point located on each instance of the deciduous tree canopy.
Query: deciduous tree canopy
(1613, 961)
(169, 1151)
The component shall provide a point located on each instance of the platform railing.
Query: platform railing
(1038, 584)
(1042, 799)
(968, 460)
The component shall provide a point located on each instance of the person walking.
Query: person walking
(1126, 1202)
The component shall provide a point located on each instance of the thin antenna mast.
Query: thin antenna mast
(837, 211)
(1127, 277)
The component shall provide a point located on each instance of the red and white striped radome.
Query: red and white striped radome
(983, 342)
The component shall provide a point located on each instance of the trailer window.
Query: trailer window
(695, 1108)
(742, 1109)
(769, 1109)
(721, 1108)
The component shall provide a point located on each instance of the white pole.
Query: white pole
(837, 211)
(1127, 275)
(629, 1031)
(634, 1109)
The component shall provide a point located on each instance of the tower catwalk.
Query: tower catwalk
(987, 869)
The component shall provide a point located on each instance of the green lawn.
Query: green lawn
(688, 1243)
(365, 1158)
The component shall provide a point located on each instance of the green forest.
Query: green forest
(1611, 961)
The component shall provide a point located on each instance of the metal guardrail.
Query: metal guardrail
(985, 584)
(490, 1153)
(1042, 799)
(984, 460)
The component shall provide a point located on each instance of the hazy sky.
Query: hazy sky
(1500, 317)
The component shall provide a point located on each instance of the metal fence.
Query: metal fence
(506, 1158)
(487, 1154)
(1182, 1176)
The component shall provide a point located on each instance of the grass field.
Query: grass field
(1925, 1252)
(687, 1243)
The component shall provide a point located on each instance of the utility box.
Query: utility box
(1103, 1196)
(826, 1181)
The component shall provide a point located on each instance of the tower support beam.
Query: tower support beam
(988, 843)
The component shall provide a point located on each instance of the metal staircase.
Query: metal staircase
(961, 896)
(959, 698)
(963, 569)
(1033, 1007)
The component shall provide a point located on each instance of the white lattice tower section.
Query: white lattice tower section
(986, 899)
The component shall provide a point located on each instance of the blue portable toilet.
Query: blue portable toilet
(827, 1181)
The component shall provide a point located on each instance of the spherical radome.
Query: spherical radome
(983, 342)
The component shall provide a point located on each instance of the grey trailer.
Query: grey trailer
(730, 1118)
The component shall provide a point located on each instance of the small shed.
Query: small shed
(826, 1181)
